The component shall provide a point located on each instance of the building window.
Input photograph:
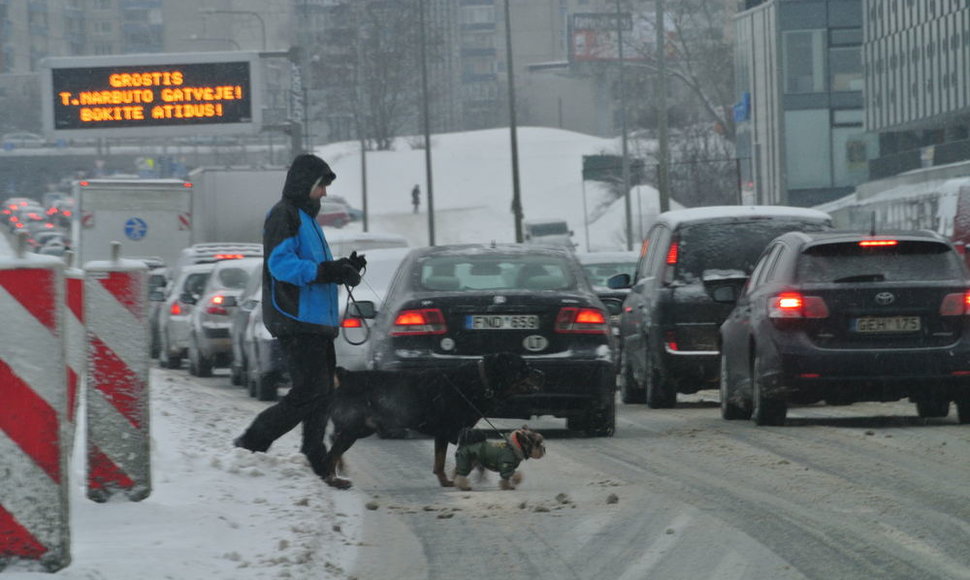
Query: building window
(852, 148)
(845, 68)
(804, 61)
(808, 148)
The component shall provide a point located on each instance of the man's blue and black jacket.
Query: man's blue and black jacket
(295, 300)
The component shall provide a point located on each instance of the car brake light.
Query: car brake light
(794, 305)
(877, 243)
(215, 305)
(351, 323)
(175, 309)
(957, 304)
(581, 320)
(419, 322)
(67, 213)
(670, 340)
(228, 256)
(672, 252)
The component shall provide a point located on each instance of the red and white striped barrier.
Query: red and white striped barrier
(75, 342)
(34, 514)
(116, 394)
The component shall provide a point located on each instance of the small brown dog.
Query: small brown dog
(503, 457)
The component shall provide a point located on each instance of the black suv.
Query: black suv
(669, 324)
(846, 317)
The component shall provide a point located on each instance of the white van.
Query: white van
(554, 232)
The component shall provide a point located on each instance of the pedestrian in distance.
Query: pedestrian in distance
(300, 309)
(416, 197)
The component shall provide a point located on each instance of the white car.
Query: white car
(351, 345)
(173, 318)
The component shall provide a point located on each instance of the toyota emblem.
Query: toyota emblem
(885, 298)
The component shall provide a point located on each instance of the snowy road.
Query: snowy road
(860, 491)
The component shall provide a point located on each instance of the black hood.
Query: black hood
(305, 172)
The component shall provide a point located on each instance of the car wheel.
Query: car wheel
(730, 409)
(963, 409)
(266, 387)
(933, 407)
(661, 393)
(155, 347)
(235, 374)
(203, 364)
(631, 392)
(768, 410)
(166, 358)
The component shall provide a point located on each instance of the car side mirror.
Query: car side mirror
(156, 296)
(727, 294)
(229, 301)
(362, 309)
(619, 282)
(188, 298)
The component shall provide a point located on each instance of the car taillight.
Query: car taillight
(957, 304)
(351, 323)
(418, 322)
(795, 305)
(175, 309)
(215, 305)
(228, 256)
(581, 320)
(672, 252)
(877, 243)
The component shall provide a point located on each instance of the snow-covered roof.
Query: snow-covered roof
(740, 211)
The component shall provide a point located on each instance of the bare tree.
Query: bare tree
(375, 68)
(699, 55)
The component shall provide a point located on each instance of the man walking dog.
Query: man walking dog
(300, 309)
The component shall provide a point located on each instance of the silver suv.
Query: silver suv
(211, 319)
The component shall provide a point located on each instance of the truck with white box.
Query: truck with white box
(150, 218)
(157, 218)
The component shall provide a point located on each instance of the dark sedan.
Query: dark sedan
(848, 317)
(448, 304)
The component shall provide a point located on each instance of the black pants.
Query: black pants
(310, 360)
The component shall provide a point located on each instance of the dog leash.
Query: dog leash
(477, 410)
(363, 321)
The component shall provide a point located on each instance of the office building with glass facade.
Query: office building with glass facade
(799, 79)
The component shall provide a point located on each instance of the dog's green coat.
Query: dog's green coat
(493, 456)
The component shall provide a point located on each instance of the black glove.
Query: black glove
(358, 262)
(337, 272)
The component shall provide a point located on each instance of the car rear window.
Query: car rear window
(730, 245)
(493, 272)
(195, 283)
(234, 278)
(850, 262)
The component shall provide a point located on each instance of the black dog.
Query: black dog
(439, 403)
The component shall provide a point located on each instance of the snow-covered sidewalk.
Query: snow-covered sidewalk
(215, 512)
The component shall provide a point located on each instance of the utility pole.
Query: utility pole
(623, 140)
(427, 124)
(663, 148)
(516, 194)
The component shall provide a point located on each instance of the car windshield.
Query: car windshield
(598, 274)
(491, 272)
(729, 245)
(850, 262)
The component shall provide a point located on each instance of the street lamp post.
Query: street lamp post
(623, 139)
(516, 195)
(426, 121)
